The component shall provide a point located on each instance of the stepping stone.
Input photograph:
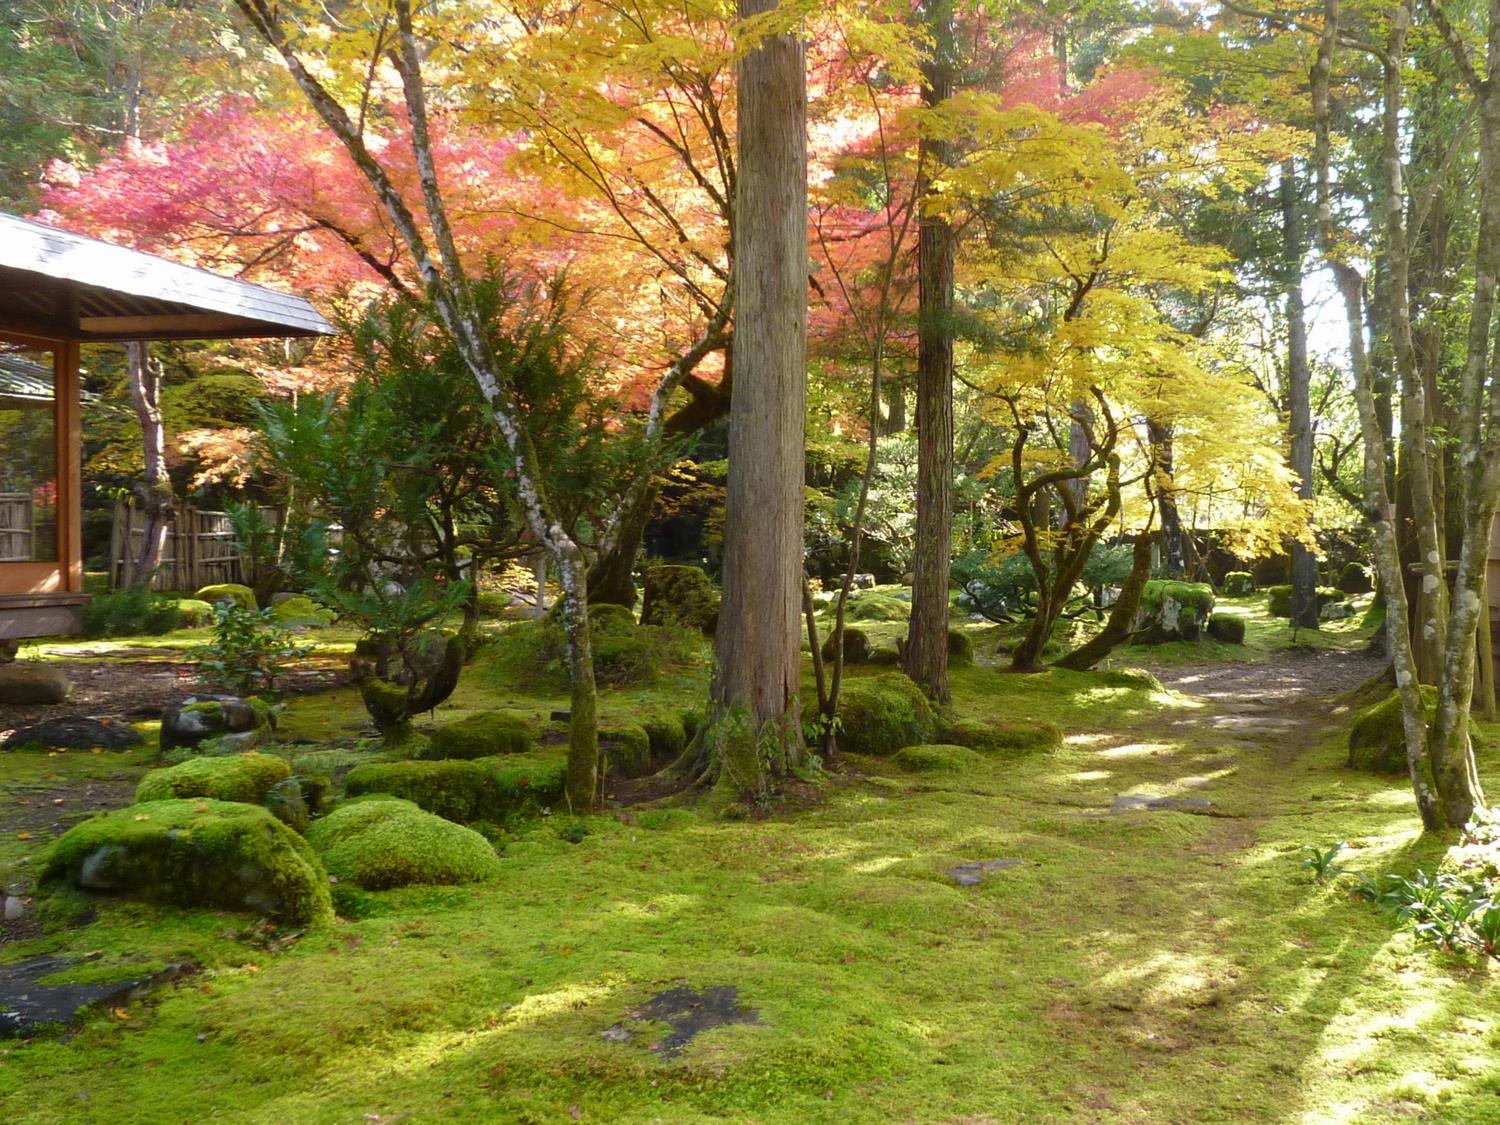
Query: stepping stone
(27, 1007)
(689, 1012)
(971, 874)
(75, 732)
(1131, 803)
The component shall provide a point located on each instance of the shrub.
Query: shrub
(231, 593)
(882, 714)
(936, 758)
(856, 646)
(1227, 628)
(135, 612)
(481, 736)
(463, 791)
(249, 651)
(999, 738)
(194, 614)
(242, 777)
(385, 842)
(196, 852)
(680, 595)
(1239, 583)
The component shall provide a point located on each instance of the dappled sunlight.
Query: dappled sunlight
(1089, 775)
(1137, 749)
(657, 906)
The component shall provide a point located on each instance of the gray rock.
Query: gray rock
(1130, 803)
(76, 732)
(15, 908)
(971, 874)
(29, 684)
(199, 718)
(27, 1006)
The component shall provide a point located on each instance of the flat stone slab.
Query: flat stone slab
(76, 732)
(27, 1006)
(1132, 803)
(971, 874)
(689, 1012)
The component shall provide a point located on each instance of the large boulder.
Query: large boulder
(75, 732)
(386, 842)
(682, 596)
(243, 777)
(481, 736)
(32, 684)
(200, 718)
(1173, 611)
(196, 852)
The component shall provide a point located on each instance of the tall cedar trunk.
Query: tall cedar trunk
(1298, 394)
(1116, 629)
(145, 378)
(1173, 540)
(926, 653)
(754, 730)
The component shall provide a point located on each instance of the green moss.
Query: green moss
(1239, 583)
(240, 777)
(482, 735)
(463, 791)
(960, 649)
(387, 703)
(667, 733)
(870, 606)
(1004, 738)
(302, 610)
(1173, 611)
(1377, 739)
(883, 713)
(1354, 579)
(856, 646)
(196, 852)
(1227, 628)
(193, 613)
(936, 757)
(242, 596)
(383, 843)
(626, 748)
(1280, 599)
(683, 596)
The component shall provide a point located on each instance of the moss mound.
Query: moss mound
(242, 596)
(1280, 599)
(240, 777)
(300, 610)
(936, 757)
(680, 595)
(626, 748)
(463, 791)
(386, 842)
(1227, 628)
(1173, 611)
(1355, 579)
(1004, 739)
(481, 736)
(1238, 584)
(1377, 742)
(960, 649)
(196, 853)
(193, 613)
(668, 734)
(878, 607)
(856, 646)
(884, 713)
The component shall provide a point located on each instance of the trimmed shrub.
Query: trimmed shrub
(960, 649)
(626, 748)
(463, 791)
(1227, 628)
(242, 777)
(196, 852)
(882, 714)
(1355, 579)
(481, 736)
(936, 757)
(1137, 678)
(386, 842)
(231, 592)
(856, 646)
(1004, 739)
(194, 614)
(871, 606)
(1238, 584)
(680, 595)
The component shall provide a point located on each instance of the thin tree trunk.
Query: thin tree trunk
(926, 653)
(1173, 541)
(145, 378)
(1116, 629)
(1298, 393)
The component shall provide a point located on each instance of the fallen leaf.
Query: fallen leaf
(23, 835)
(121, 1014)
(575, 1111)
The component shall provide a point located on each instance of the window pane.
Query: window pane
(28, 455)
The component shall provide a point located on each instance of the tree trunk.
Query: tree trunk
(753, 733)
(1174, 550)
(926, 653)
(145, 378)
(1116, 630)
(612, 577)
(583, 776)
(1298, 393)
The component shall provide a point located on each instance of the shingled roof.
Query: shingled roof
(62, 285)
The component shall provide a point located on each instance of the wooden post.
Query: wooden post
(1486, 683)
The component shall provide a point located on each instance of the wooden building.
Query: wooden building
(59, 291)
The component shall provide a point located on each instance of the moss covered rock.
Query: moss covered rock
(481, 736)
(231, 592)
(386, 842)
(1173, 611)
(1355, 579)
(626, 748)
(1377, 740)
(193, 613)
(32, 684)
(668, 734)
(873, 606)
(1280, 599)
(936, 757)
(297, 799)
(680, 595)
(882, 714)
(196, 852)
(464, 791)
(300, 610)
(1004, 739)
(856, 646)
(1227, 628)
(960, 649)
(240, 777)
(198, 719)
(1238, 584)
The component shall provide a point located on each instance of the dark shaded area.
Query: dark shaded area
(689, 1012)
(76, 732)
(27, 1006)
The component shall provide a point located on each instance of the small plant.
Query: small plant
(250, 650)
(1485, 928)
(133, 612)
(1321, 861)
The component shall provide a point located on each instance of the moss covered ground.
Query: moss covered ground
(1139, 967)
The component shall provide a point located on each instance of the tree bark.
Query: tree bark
(753, 733)
(926, 652)
(1173, 541)
(144, 375)
(1299, 395)
(1116, 629)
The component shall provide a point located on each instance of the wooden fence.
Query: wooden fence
(200, 549)
(17, 527)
